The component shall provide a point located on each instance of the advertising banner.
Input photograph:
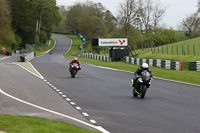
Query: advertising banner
(113, 42)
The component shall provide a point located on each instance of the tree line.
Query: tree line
(138, 20)
(27, 21)
(32, 21)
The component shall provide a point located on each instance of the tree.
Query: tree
(128, 12)
(190, 23)
(34, 19)
(48, 15)
(110, 21)
(23, 21)
(158, 14)
(6, 33)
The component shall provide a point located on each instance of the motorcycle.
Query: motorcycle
(141, 84)
(74, 69)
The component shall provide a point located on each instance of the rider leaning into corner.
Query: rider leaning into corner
(75, 61)
(137, 74)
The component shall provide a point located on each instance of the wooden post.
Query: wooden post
(177, 49)
(167, 49)
(182, 50)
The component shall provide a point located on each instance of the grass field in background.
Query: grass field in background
(184, 76)
(25, 124)
(179, 48)
(147, 54)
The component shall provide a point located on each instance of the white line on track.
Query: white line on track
(60, 93)
(68, 99)
(72, 103)
(93, 121)
(41, 77)
(85, 114)
(54, 112)
(79, 108)
(64, 96)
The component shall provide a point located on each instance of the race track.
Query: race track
(106, 95)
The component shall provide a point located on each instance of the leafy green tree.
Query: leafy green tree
(6, 33)
(110, 21)
(34, 19)
(24, 19)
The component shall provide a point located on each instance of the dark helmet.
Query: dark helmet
(145, 66)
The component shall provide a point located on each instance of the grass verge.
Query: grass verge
(42, 49)
(25, 124)
(28, 66)
(183, 76)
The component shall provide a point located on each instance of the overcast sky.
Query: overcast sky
(176, 9)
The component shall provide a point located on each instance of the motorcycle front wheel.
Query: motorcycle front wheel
(134, 93)
(143, 91)
(73, 73)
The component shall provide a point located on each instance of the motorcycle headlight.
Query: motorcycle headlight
(140, 80)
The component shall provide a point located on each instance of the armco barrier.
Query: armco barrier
(167, 64)
(93, 56)
(194, 65)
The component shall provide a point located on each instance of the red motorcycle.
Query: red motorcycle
(74, 68)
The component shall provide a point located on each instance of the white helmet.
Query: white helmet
(75, 59)
(145, 66)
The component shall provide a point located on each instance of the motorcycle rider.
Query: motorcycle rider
(137, 74)
(75, 61)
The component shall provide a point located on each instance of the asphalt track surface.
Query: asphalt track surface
(106, 95)
(18, 86)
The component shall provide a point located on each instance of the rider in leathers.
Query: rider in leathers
(139, 71)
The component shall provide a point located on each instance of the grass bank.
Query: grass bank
(42, 49)
(179, 51)
(25, 124)
(183, 76)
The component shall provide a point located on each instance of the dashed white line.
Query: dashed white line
(79, 108)
(57, 90)
(93, 121)
(60, 93)
(85, 114)
(64, 96)
(72, 103)
(54, 112)
(68, 99)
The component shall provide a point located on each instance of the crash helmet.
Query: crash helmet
(145, 66)
(75, 59)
